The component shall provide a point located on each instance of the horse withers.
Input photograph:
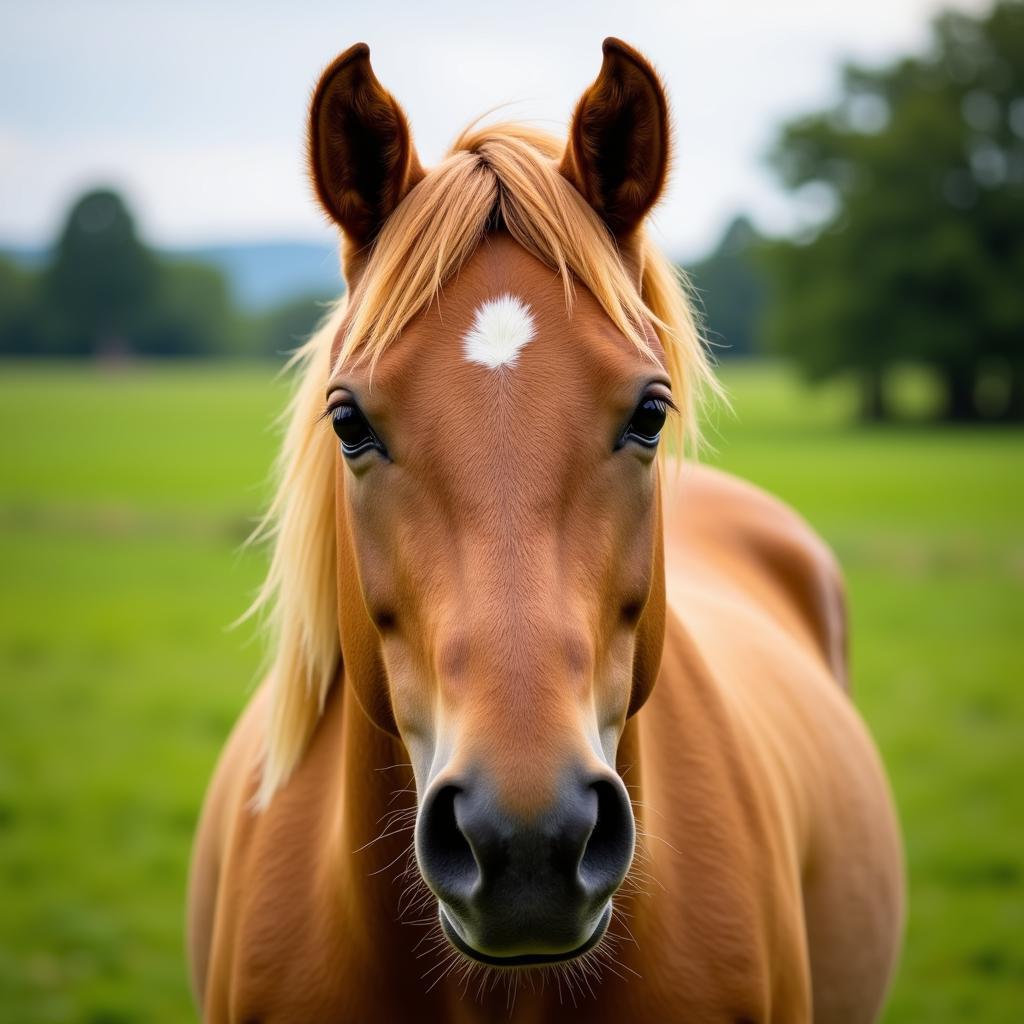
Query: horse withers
(556, 729)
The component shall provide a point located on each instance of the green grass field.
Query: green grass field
(123, 499)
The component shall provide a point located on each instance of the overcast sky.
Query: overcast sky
(196, 110)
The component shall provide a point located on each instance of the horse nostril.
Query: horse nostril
(510, 885)
(609, 849)
(446, 859)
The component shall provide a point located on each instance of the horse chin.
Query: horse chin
(523, 959)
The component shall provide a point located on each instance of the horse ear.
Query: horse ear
(618, 149)
(361, 155)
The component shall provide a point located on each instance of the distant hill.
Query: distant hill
(265, 274)
(261, 274)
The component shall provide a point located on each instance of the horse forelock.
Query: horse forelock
(506, 177)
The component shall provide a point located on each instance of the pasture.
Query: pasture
(124, 497)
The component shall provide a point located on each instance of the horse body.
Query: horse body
(518, 612)
(739, 766)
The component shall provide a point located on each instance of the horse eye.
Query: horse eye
(355, 434)
(646, 423)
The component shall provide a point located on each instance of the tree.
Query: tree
(102, 278)
(190, 314)
(730, 287)
(921, 257)
(20, 332)
(281, 330)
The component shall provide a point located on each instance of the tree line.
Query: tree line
(104, 293)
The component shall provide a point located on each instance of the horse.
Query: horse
(556, 725)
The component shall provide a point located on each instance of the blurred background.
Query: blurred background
(848, 198)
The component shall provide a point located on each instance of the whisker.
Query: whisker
(391, 863)
(384, 835)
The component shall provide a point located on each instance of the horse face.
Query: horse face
(497, 503)
(498, 484)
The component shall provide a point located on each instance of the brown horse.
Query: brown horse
(639, 791)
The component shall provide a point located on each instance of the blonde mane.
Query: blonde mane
(500, 176)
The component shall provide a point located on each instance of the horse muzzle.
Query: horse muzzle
(515, 892)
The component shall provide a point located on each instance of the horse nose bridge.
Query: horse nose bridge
(518, 697)
(514, 553)
(512, 625)
(525, 751)
(514, 657)
(530, 653)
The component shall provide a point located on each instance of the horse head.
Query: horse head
(499, 384)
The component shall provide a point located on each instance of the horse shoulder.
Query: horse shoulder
(228, 793)
(763, 597)
(735, 536)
